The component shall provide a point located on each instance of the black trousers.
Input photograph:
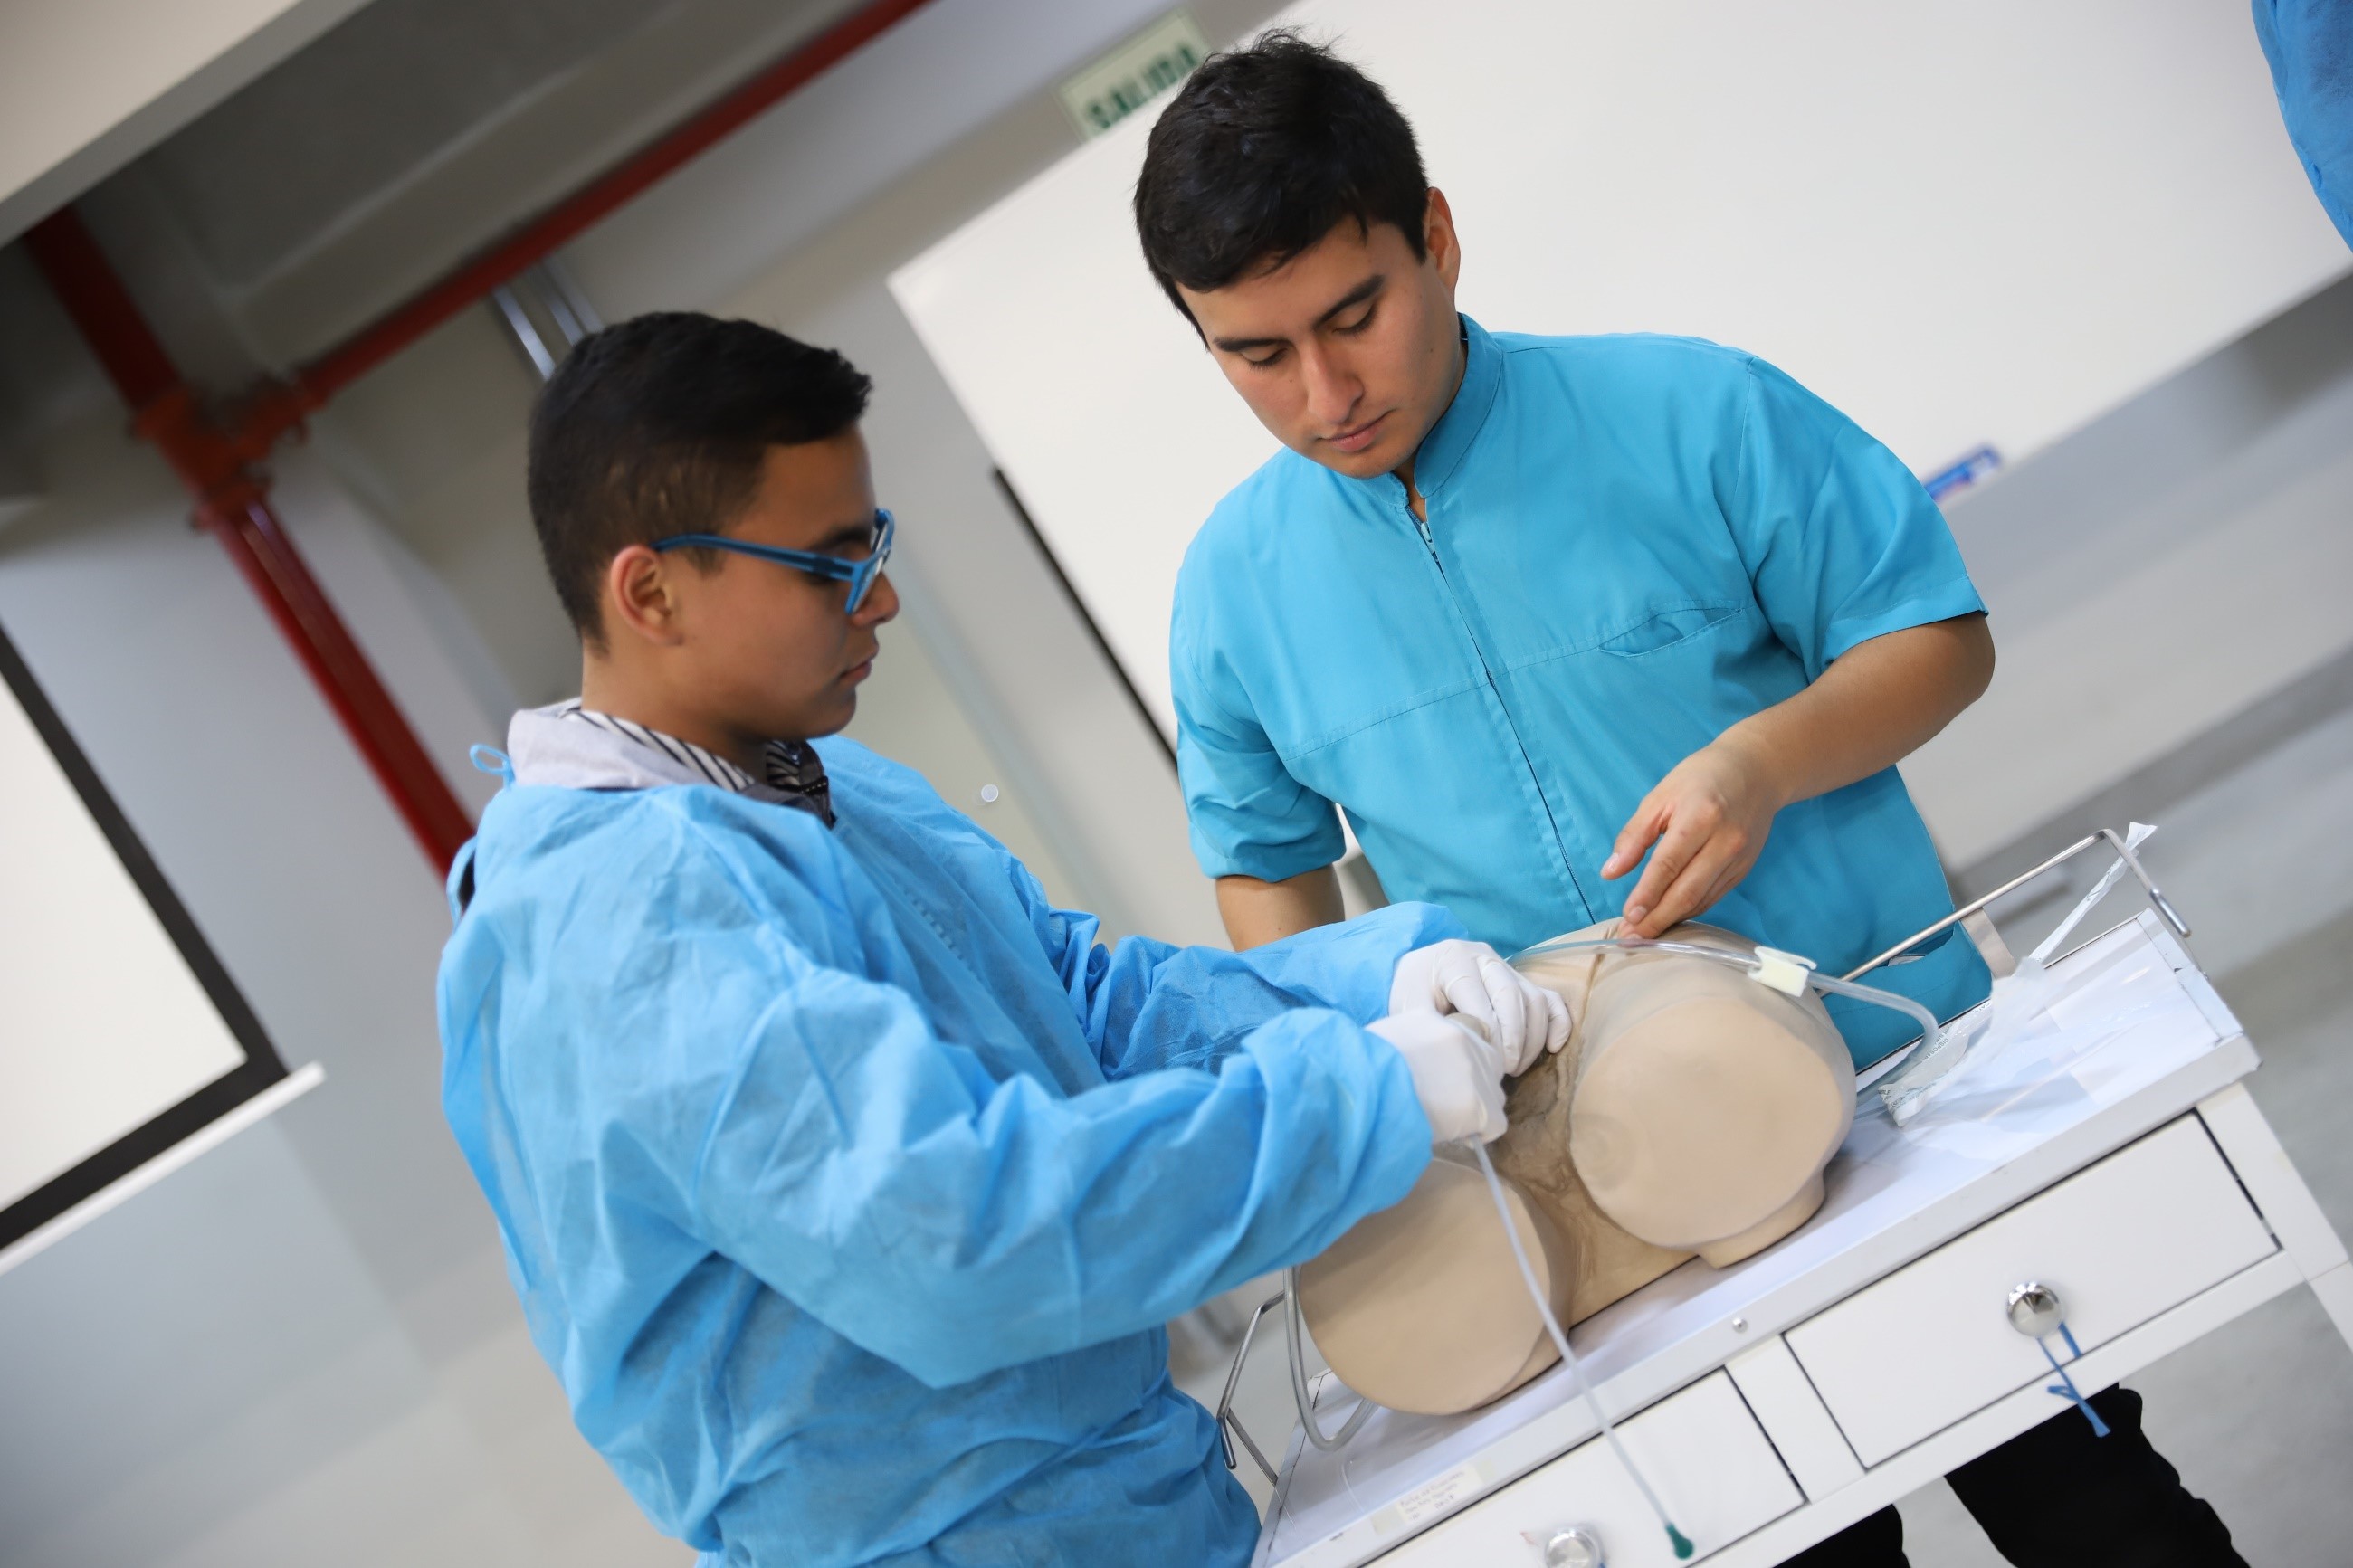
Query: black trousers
(2058, 1497)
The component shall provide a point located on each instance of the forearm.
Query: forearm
(1258, 912)
(1875, 705)
(1152, 1006)
(1021, 1223)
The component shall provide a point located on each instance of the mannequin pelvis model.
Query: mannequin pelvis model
(1691, 1112)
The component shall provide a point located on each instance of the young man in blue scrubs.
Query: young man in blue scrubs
(1569, 628)
(845, 1181)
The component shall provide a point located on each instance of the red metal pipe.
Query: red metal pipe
(85, 284)
(330, 372)
(275, 570)
(220, 470)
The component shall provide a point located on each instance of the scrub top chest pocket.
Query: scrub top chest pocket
(1658, 633)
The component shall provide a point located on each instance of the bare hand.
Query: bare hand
(1709, 818)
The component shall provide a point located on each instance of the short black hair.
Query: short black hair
(659, 426)
(1262, 152)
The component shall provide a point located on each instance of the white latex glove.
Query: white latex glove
(1457, 1076)
(1471, 979)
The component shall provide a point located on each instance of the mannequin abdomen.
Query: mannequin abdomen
(1705, 1104)
(1691, 1112)
(1687, 1148)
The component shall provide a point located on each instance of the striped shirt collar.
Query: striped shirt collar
(554, 745)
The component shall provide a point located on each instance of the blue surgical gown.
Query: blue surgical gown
(846, 1182)
(1633, 543)
(2309, 44)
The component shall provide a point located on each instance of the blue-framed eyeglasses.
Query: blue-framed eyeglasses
(860, 574)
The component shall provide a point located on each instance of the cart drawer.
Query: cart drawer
(2145, 1230)
(1700, 1447)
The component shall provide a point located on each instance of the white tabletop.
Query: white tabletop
(2135, 1038)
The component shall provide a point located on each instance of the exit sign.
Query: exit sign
(1134, 74)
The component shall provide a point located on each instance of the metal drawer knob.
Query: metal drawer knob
(1575, 1547)
(2034, 1310)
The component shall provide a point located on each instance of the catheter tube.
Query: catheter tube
(1929, 1028)
(1675, 1537)
(1294, 1335)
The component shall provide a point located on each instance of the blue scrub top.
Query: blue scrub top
(2309, 45)
(1633, 542)
(846, 1182)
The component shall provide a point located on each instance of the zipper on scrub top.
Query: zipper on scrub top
(1487, 673)
(1430, 545)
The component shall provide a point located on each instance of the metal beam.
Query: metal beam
(222, 471)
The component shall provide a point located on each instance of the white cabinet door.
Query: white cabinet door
(2145, 1230)
(1700, 1447)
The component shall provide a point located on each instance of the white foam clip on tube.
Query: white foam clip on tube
(1784, 972)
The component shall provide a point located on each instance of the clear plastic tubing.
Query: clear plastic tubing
(1929, 1036)
(1930, 1030)
(1675, 1537)
(1294, 1334)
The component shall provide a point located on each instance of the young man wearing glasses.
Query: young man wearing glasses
(845, 1181)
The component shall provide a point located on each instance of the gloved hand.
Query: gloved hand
(1457, 1076)
(1470, 979)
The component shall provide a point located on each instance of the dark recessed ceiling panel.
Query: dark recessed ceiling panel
(395, 90)
(414, 133)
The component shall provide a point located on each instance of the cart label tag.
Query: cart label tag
(1432, 1500)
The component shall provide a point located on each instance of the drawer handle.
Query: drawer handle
(2036, 1311)
(1573, 1546)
